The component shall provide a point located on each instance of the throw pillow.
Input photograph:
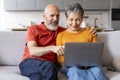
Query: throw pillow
(116, 63)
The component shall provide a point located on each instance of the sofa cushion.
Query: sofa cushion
(11, 73)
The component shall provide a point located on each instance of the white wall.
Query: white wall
(11, 19)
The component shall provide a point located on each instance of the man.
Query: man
(39, 59)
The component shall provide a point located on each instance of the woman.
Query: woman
(74, 33)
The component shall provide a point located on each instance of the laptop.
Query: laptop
(83, 53)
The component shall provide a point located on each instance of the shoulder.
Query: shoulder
(86, 31)
(60, 28)
(33, 28)
(62, 33)
(38, 27)
(60, 36)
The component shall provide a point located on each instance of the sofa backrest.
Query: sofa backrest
(11, 47)
(111, 45)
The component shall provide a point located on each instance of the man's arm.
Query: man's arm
(39, 51)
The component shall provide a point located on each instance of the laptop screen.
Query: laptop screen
(83, 53)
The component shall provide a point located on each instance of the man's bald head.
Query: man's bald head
(51, 7)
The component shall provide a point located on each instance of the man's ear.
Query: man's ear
(44, 15)
(82, 19)
(66, 18)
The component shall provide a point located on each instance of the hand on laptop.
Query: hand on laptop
(59, 50)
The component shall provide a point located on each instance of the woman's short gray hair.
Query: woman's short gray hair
(74, 7)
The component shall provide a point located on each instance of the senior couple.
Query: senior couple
(44, 46)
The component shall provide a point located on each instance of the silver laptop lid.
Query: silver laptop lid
(83, 53)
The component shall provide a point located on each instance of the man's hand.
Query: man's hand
(92, 30)
(59, 50)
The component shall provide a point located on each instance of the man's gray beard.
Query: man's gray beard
(50, 27)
